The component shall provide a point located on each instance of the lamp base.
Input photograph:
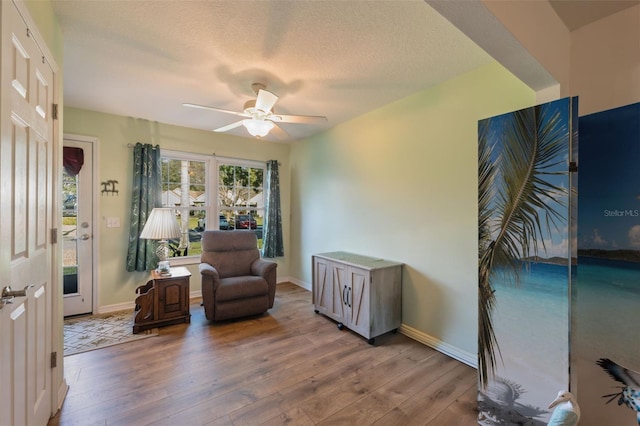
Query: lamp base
(162, 251)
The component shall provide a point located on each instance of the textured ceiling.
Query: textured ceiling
(339, 59)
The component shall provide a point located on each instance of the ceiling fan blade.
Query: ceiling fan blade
(210, 108)
(278, 132)
(228, 127)
(300, 119)
(265, 101)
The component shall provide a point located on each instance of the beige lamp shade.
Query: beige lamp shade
(161, 225)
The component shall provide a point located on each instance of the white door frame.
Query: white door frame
(95, 208)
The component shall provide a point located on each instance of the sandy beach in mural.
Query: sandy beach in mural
(526, 322)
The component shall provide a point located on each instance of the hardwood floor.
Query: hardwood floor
(289, 366)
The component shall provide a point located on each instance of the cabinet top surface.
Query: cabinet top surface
(174, 272)
(359, 260)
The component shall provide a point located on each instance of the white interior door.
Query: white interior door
(26, 176)
(77, 233)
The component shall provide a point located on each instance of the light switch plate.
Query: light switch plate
(113, 222)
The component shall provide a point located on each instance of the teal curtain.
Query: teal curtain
(272, 239)
(145, 196)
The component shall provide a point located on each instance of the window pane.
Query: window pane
(69, 232)
(197, 172)
(184, 188)
(241, 197)
(226, 196)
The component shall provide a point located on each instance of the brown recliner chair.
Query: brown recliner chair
(236, 281)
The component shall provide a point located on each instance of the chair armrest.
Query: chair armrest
(262, 268)
(206, 269)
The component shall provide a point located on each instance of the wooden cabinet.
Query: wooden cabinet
(361, 293)
(163, 300)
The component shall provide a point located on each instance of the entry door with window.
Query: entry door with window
(77, 227)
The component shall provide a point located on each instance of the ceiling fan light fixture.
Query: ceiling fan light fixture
(257, 128)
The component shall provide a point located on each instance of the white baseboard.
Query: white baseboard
(116, 307)
(440, 346)
(125, 306)
(192, 295)
(415, 334)
(61, 395)
(295, 281)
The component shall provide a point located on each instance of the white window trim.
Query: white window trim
(242, 163)
(209, 162)
(212, 184)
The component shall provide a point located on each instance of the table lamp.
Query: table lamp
(162, 226)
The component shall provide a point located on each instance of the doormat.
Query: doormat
(87, 333)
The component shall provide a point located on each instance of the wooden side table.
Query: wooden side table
(163, 300)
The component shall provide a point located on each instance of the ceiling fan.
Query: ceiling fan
(259, 118)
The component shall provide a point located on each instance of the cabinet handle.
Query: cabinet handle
(349, 297)
(344, 296)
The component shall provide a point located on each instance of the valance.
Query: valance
(72, 160)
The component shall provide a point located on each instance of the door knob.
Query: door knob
(85, 237)
(8, 295)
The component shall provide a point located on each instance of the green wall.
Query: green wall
(116, 285)
(400, 183)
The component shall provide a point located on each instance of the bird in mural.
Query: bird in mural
(567, 411)
(630, 393)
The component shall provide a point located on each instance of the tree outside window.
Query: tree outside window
(184, 189)
(241, 197)
(188, 188)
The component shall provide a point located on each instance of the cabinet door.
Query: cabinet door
(339, 310)
(173, 300)
(358, 301)
(328, 288)
(322, 287)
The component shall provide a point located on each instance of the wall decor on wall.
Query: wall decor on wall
(109, 187)
(606, 307)
(526, 198)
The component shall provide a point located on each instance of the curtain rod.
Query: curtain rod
(130, 145)
(238, 158)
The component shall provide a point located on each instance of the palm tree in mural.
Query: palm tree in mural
(517, 204)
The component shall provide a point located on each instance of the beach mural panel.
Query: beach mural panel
(606, 309)
(526, 235)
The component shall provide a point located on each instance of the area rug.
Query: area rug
(87, 333)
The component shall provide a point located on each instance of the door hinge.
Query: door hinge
(573, 167)
(54, 111)
(54, 235)
(54, 359)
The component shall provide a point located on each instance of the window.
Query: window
(191, 183)
(241, 195)
(184, 188)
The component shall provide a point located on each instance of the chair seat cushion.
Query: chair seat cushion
(241, 287)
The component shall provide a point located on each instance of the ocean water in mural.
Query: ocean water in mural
(606, 307)
(525, 253)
